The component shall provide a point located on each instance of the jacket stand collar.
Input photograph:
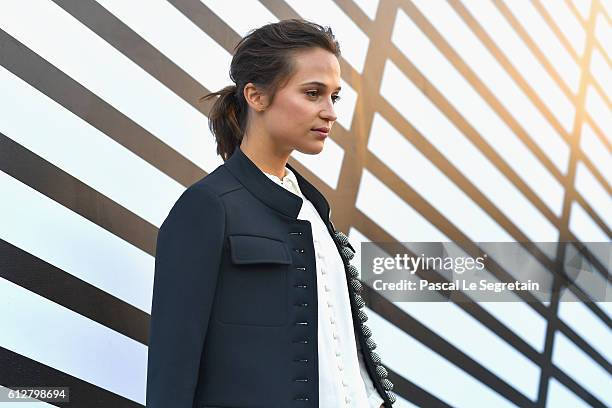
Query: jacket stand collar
(273, 195)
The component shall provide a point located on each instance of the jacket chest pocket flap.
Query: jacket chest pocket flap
(254, 291)
(254, 249)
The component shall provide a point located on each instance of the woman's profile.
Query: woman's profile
(255, 301)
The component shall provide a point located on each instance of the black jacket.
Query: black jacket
(234, 313)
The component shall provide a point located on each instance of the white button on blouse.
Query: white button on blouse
(343, 379)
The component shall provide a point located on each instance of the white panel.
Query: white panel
(325, 165)
(47, 230)
(62, 339)
(426, 179)
(546, 40)
(415, 45)
(180, 40)
(353, 41)
(489, 17)
(479, 59)
(57, 135)
(433, 125)
(583, 7)
(369, 7)
(581, 368)
(586, 230)
(77, 51)
(398, 218)
(568, 23)
(594, 194)
(420, 365)
(583, 226)
(252, 15)
(602, 72)
(606, 307)
(607, 5)
(596, 151)
(345, 107)
(560, 396)
(599, 111)
(588, 326)
(429, 182)
(521, 319)
(603, 33)
(478, 342)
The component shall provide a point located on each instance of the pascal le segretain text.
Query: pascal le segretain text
(482, 285)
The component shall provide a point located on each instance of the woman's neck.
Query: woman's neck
(267, 158)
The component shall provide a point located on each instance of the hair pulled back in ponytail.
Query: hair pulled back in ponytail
(263, 57)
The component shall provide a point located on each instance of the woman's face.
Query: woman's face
(305, 102)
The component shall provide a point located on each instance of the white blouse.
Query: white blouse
(343, 379)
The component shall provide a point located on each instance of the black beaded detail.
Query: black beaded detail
(381, 371)
(347, 254)
(370, 343)
(352, 270)
(356, 284)
(359, 302)
(341, 237)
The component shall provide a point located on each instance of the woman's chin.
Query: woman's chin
(315, 147)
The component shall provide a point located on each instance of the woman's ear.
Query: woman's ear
(255, 97)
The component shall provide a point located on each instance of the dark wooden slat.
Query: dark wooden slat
(61, 88)
(442, 347)
(414, 393)
(46, 280)
(34, 171)
(19, 371)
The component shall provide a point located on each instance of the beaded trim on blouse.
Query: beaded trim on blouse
(356, 287)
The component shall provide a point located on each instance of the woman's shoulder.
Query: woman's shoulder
(199, 203)
(198, 197)
(218, 182)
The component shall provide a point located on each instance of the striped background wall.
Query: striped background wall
(468, 121)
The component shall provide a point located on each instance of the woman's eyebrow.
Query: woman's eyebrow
(321, 84)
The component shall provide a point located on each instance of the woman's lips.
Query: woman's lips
(321, 135)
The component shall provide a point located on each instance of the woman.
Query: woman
(255, 303)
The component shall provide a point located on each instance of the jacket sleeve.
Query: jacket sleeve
(189, 247)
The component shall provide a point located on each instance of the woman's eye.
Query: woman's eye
(335, 98)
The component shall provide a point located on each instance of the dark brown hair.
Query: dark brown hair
(265, 58)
